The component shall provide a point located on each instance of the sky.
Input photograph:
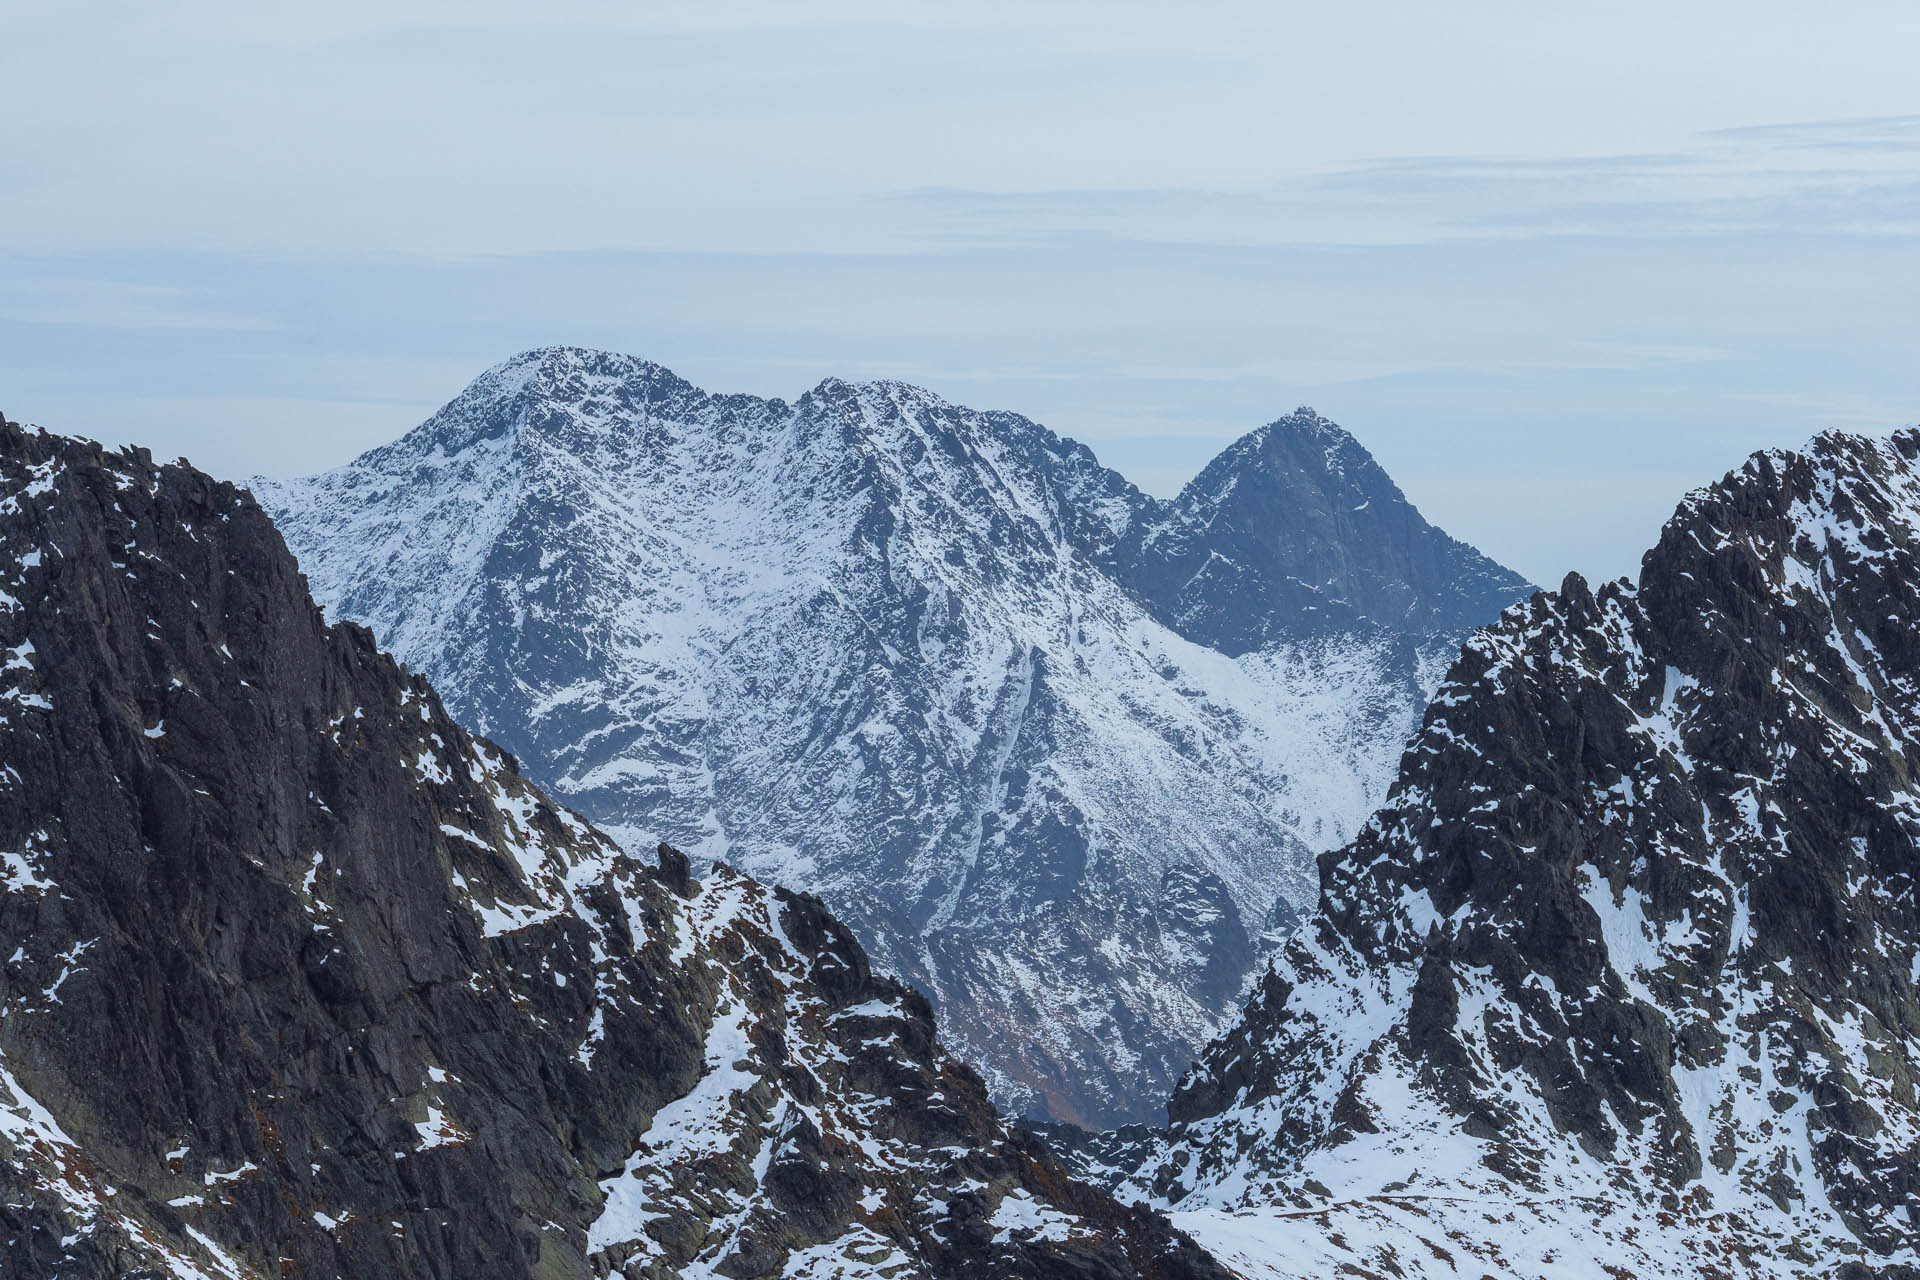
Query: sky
(1552, 264)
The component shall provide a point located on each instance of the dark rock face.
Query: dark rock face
(301, 979)
(1295, 530)
(895, 651)
(1633, 948)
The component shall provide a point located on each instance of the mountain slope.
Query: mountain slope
(889, 650)
(301, 979)
(1624, 978)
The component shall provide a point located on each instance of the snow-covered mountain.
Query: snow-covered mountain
(302, 979)
(1058, 751)
(1624, 978)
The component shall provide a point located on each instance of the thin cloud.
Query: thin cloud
(1734, 180)
(114, 304)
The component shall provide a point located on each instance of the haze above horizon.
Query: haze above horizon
(1552, 269)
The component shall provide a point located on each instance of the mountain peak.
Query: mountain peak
(878, 392)
(561, 358)
(546, 405)
(575, 374)
(1840, 484)
(1297, 513)
(1300, 445)
(1306, 418)
(565, 372)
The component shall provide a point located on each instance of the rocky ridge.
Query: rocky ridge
(1624, 977)
(302, 979)
(1060, 753)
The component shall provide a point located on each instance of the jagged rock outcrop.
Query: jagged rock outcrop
(928, 663)
(1624, 978)
(301, 979)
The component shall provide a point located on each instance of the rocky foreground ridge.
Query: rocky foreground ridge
(302, 979)
(1624, 978)
(1059, 752)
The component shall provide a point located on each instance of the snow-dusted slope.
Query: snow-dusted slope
(893, 651)
(1624, 978)
(302, 979)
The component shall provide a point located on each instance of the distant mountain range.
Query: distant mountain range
(1624, 977)
(302, 978)
(1061, 753)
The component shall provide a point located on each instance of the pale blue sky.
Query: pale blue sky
(1552, 264)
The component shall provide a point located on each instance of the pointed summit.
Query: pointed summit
(1295, 530)
(572, 400)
